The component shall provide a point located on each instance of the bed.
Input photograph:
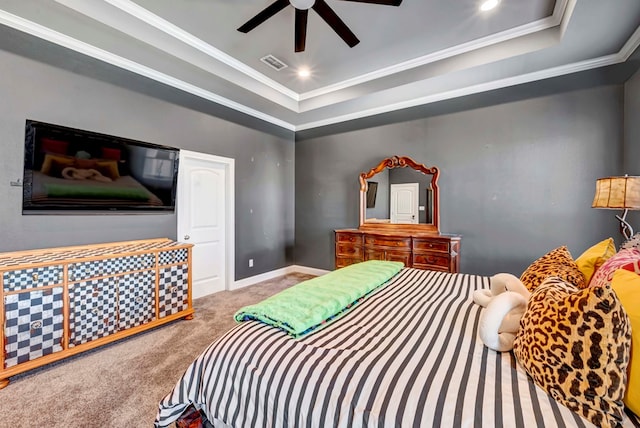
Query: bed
(122, 190)
(408, 355)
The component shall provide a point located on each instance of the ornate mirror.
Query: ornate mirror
(400, 194)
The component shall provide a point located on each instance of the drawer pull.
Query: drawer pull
(35, 277)
(95, 311)
(139, 299)
(36, 325)
(173, 289)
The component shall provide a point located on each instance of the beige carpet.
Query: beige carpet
(121, 384)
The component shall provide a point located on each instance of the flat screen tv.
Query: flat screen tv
(69, 170)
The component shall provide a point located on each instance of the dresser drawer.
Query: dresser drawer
(345, 261)
(92, 310)
(349, 237)
(348, 250)
(172, 257)
(32, 278)
(97, 268)
(395, 255)
(34, 325)
(428, 260)
(387, 241)
(173, 289)
(430, 245)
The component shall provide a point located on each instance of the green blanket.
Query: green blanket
(311, 304)
(98, 192)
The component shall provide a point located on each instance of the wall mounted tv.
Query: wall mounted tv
(69, 170)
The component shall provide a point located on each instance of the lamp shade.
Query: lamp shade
(617, 193)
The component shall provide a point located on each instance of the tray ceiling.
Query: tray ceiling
(421, 52)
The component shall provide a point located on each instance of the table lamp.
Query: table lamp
(619, 193)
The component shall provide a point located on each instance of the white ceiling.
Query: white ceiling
(421, 52)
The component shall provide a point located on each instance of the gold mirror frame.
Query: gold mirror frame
(401, 162)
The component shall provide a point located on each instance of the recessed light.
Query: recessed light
(304, 73)
(488, 5)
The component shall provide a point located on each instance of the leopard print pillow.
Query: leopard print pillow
(557, 263)
(575, 344)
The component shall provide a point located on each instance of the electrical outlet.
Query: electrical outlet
(250, 262)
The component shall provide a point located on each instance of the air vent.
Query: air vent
(273, 62)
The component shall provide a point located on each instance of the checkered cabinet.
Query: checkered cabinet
(61, 301)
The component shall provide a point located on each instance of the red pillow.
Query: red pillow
(628, 259)
(54, 146)
(112, 154)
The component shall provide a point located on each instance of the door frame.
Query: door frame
(230, 231)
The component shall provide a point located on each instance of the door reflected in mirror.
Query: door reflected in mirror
(399, 191)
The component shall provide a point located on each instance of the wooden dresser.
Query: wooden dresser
(61, 301)
(432, 251)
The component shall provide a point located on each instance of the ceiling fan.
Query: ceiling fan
(302, 9)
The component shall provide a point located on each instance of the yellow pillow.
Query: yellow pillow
(626, 284)
(53, 164)
(594, 257)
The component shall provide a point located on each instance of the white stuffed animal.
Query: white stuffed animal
(504, 304)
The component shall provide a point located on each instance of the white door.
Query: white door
(404, 203)
(205, 219)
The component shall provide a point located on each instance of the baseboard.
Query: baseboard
(276, 273)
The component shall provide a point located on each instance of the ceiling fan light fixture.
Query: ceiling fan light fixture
(302, 4)
(488, 5)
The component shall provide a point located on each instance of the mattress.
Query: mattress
(409, 356)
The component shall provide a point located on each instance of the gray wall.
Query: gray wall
(264, 163)
(517, 179)
(632, 136)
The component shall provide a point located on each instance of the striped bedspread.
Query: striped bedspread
(408, 356)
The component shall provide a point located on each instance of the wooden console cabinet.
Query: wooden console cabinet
(61, 301)
(432, 251)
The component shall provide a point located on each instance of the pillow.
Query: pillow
(627, 287)
(555, 263)
(111, 154)
(49, 145)
(108, 168)
(633, 242)
(594, 257)
(53, 164)
(575, 344)
(628, 259)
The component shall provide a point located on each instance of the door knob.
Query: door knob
(186, 237)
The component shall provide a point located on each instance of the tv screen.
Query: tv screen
(372, 191)
(68, 170)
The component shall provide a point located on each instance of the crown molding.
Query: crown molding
(63, 40)
(149, 18)
(566, 6)
(533, 27)
(189, 39)
(473, 89)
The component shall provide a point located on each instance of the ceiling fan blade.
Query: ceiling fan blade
(335, 22)
(267, 13)
(301, 29)
(383, 2)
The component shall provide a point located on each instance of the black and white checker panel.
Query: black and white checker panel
(92, 310)
(136, 299)
(24, 279)
(173, 289)
(34, 325)
(84, 270)
(171, 257)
